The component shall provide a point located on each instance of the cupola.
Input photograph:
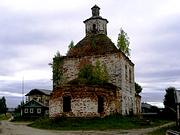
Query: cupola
(96, 24)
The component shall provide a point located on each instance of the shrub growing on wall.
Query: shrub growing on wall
(93, 74)
(57, 70)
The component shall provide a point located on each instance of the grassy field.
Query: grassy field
(162, 131)
(110, 122)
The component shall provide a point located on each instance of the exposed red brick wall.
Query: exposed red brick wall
(84, 100)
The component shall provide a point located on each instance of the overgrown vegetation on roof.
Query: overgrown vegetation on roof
(97, 44)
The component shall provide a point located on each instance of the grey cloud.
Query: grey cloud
(168, 24)
(155, 97)
(13, 102)
(171, 73)
(21, 28)
(157, 61)
(16, 87)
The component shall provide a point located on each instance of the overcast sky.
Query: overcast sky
(32, 31)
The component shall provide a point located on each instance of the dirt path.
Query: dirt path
(11, 128)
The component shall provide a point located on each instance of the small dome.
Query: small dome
(97, 44)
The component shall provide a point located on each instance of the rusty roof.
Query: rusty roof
(96, 44)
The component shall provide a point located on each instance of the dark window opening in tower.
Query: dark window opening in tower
(130, 76)
(100, 104)
(94, 29)
(66, 104)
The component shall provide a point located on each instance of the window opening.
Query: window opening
(66, 104)
(100, 104)
(39, 110)
(130, 76)
(31, 110)
(26, 110)
(94, 28)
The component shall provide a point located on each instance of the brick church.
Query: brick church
(82, 100)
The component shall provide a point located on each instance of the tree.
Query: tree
(57, 70)
(71, 45)
(100, 73)
(138, 88)
(123, 42)
(169, 103)
(3, 107)
(18, 108)
(169, 99)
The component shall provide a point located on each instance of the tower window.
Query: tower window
(66, 104)
(100, 104)
(130, 76)
(126, 75)
(94, 28)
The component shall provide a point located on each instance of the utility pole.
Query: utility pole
(23, 89)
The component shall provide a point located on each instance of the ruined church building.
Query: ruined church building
(80, 100)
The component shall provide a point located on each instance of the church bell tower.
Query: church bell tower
(96, 24)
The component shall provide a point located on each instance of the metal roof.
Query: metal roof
(41, 91)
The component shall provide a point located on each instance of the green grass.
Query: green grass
(110, 122)
(162, 131)
(3, 117)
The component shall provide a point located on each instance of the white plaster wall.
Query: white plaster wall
(100, 26)
(55, 107)
(83, 107)
(112, 62)
(115, 64)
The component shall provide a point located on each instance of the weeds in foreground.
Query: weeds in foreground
(109, 122)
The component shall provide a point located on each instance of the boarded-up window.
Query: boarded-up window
(100, 104)
(66, 104)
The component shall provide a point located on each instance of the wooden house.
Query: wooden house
(37, 103)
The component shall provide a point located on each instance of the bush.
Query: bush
(90, 74)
